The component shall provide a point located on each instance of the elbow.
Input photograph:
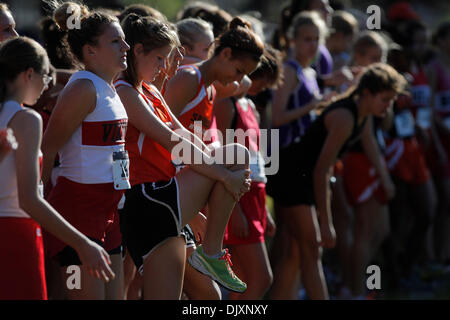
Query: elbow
(28, 201)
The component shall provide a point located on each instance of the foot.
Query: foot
(219, 269)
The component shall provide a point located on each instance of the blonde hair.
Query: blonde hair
(308, 18)
(189, 29)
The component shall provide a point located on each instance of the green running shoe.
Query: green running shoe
(219, 269)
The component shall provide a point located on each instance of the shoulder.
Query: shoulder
(129, 95)
(340, 120)
(26, 120)
(82, 89)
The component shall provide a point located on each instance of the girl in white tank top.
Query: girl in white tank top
(87, 129)
(24, 69)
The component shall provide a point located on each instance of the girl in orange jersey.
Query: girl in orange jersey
(190, 93)
(160, 199)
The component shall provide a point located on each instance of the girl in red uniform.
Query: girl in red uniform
(160, 199)
(87, 130)
(24, 69)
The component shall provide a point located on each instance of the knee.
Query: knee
(236, 156)
(310, 249)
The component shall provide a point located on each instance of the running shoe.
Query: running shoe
(219, 269)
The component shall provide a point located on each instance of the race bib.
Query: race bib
(443, 101)
(257, 167)
(121, 172)
(421, 95)
(41, 189)
(423, 117)
(404, 124)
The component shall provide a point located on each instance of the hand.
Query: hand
(339, 77)
(198, 226)
(96, 260)
(271, 227)
(389, 188)
(238, 222)
(329, 96)
(238, 183)
(7, 142)
(327, 235)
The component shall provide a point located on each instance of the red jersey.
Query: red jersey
(201, 107)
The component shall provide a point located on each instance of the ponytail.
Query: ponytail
(241, 40)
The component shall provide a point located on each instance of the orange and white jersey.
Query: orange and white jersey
(149, 161)
(201, 107)
(88, 155)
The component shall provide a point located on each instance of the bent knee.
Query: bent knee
(310, 248)
(234, 156)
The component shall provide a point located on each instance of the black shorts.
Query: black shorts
(151, 214)
(68, 256)
(189, 236)
(293, 184)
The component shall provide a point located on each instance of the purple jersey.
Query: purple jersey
(302, 95)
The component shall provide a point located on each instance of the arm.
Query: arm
(75, 102)
(372, 151)
(280, 114)
(27, 126)
(339, 124)
(140, 115)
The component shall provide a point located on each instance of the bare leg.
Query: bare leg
(129, 271)
(197, 286)
(251, 264)
(366, 220)
(305, 227)
(164, 270)
(90, 289)
(342, 218)
(286, 273)
(114, 288)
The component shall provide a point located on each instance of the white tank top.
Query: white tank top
(9, 197)
(88, 155)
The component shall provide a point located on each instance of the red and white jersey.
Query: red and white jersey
(9, 198)
(88, 155)
(149, 161)
(201, 107)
